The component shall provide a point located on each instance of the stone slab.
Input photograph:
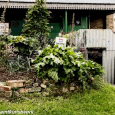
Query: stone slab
(15, 83)
(34, 89)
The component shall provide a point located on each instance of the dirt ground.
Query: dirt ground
(7, 75)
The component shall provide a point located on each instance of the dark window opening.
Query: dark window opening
(95, 55)
(56, 16)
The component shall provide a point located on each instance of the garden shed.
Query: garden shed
(98, 41)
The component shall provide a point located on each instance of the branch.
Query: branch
(3, 14)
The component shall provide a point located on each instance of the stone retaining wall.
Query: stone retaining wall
(45, 87)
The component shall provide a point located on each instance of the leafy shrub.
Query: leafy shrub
(23, 46)
(50, 42)
(3, 50)
(63, 64)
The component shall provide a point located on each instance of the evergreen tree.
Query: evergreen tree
(36, 22)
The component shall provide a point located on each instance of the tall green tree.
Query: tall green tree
(36, 21)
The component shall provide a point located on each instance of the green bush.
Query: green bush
(63, 64)
(25, 48)
(23, 45)
(4, 54)
(36, 21)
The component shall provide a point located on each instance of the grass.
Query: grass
(95, 102)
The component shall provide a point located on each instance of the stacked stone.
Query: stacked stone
(44, 88)
(20, 87)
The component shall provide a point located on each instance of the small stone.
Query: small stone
(1, 84)
(72, 84)
(72, 88)
(15, 83)
(77, 88)
(2, 93)
(5, 88)
(38, 81)
(34, 89)
(30, 81)
(92, 78)
(8, 93)
(43, 85)
(23, 90)
(45, 94)
(5, 93)
(27, 85)
(16, 93)
(64, 89)
(46, 82)
(35, 84)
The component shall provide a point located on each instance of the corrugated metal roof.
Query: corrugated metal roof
(63, 4)
(19, 0)
(83, 1)
(71, 1)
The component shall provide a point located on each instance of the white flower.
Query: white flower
(40, 52)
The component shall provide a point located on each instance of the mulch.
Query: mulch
(19, 75)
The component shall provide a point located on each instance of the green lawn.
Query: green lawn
(95, 102)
